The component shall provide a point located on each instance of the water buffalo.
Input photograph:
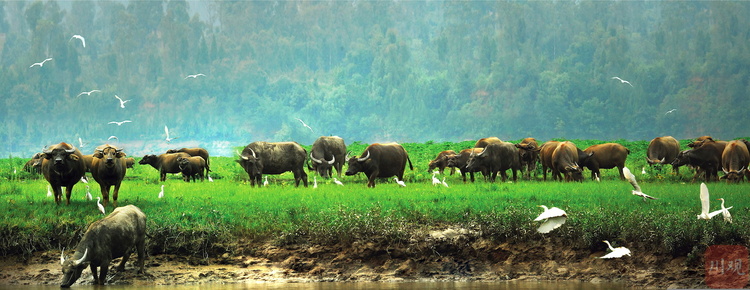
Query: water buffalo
(108, 169)
(663, 150)
(565, 160)
(707, 157)
(734, 160)
(88, 161)
(545, 155)
(112, 237)
(327, 153)
(260, 158)
(129, 162)
(195, 152)
(380, 160)
(496, 157)
(34, 165)
(441, 161)
(528, 151)
(606, 156)
(461, 159)
(165, 163)
(192, 167)
(700, 141)
(62, 166)
(481, 143)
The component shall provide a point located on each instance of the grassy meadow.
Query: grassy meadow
(208, 217)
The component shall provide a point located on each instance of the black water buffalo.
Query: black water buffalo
(734, 160)
(106, 239)
(565, 160)
(605, 156)
(195, 152)
(380, 160)
(62, 166)
(461, 159)
(192, 167)
(165, 163)
(496, 157)
(700, 141)
(528, 151)
(260, 158)
(707, 157)
(441, 161)
(663, 150)
(327, 153)
(108, 169)
(545, 155)
(34, 165)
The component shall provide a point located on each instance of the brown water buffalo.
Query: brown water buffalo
(707, 157)
(195, 152)
(496, 157)
(700, 141)
(663, 150)
(528, 151)
(327, 153)
(165, 163)
(62, 166)
(441, 161)
(461, 159)
(380, 160)
(565, 160)
(192, 167)
(606, 156)
(545, 155)
(88, 161)
(108, 169)
(109, 238)
(481, 143)
(34, 165)
(260, 158)
(129, 162)
(734, 160)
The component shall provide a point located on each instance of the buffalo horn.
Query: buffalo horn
(333, 159)
(253, 152)
(725, 170)
(79, 261)
(480, 153)
(315, 160)
(662, 160)
(71, 150)
(363, 159)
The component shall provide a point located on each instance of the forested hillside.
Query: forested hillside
(405, 71)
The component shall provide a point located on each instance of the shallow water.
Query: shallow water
(521, 285)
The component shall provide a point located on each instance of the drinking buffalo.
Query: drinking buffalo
(734, 160)
(441, 161)
(565, 160)
(380, 160)
(62, 166)
(260, 158)
(327, 153)
(663, 150)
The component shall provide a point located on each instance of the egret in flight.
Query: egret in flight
(113, 137)
(195, 76)
(83, 40)
(166, 131)
(122, 103)
(554, 218)
(40, 64)
(120, 123)
(616, 252)
(80, 143)
(636, 189)
(304, 124)
(622, 81)
(670, 112)
(706, 205)
(88, 93)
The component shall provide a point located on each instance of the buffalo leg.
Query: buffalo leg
(103, 275)
(141, 248)
(94, 273)
(105, 194)
(68, 192)
(125, 258)
(114, 195)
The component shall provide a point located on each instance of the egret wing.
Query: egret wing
(617, 253)
(551, 213)
(551, 224)
(631, 178)
(705, 202)
(714, 213)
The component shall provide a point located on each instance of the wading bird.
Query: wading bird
(195, 76)
(616, 252)
(161, 193)
(622, 81)
(643, 170)
(315, 182)
(83, 40)
(84, 179)
(637, 189)
(49, 191)
(209, 178)
(265, 181)
(303, 124)
(443, 182)
(40, 64)
(166, 131)
(88, 193)
(435, 180)
(706, 205)
(336, 181)
(554, 218)
(88, 93)
(100, 206)
(596, 176)
(122, 103)
(120, 123)
(400, 182)
(725, 212)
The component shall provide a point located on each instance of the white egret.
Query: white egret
(161, 193)
(209, 178)
(637, 189)
(195, 76)
(706, 205)
(643, 170)
(435, 180)
(113, 137)
(596, 176)
(616, 252)
(265, 182)
(83, 40)
(670, 112)
(303, 124)
(400, 182)
(622, 81)
(315, 182)
(725, 212)
(40, 64)
(166, 131)
(122, 103)
(49, 191)
(554, 218)
(84, 179)
(80, 143)
(88, 93)
(443, 182)
(100, 206)
(88, 193)
(336, 181)
(120, 123)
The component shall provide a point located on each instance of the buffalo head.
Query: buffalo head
(251, 163)
(475, 160)
(734, 176)
(183, 162)
(148, 159)
(72, 269)
(357, 165)
(323, 167)
(59, 157)
(108, 154)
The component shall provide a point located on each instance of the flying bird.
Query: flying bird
(88, 93)
(40, 64)
(616, 252)
(705, 205)
(725, 212)
(122, 103)
(400, 182)
(113, 137)
(83, 40)
(554, 218)
(670, 112)
(161, 193)
(435, 180)
(80, 143)
(100, 206)
(265, 182)
(195, 76)
(303, 124)
(622, 81)
(336, 181)
(88, 193)
(120, 123)
(166, 131)
(636, 189)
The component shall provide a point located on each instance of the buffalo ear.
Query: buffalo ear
(74, 157)
(121, 154)
(95, 155)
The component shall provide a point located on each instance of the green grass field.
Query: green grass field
(206, 217)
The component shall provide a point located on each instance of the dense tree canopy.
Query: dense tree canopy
(405, 71)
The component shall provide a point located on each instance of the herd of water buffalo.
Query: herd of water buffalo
(63, 165)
